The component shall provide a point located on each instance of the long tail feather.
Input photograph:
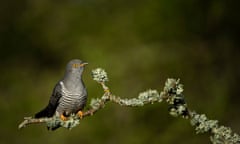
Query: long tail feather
(46, 112)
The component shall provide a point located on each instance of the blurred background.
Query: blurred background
(140, 44)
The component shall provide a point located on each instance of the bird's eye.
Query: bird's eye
(75, 65)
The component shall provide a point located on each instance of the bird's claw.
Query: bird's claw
(80, 114)
(63, 117)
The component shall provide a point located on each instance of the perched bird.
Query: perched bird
(69, 95)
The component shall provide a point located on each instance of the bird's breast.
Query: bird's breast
(72, 101)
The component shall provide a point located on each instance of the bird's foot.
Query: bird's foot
(63, 117)
(80, 114)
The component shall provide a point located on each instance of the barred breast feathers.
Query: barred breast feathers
(70, 101)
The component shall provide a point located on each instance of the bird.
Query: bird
(69, 95)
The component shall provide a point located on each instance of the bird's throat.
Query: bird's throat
(73, 82)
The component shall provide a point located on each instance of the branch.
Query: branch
(172, 94)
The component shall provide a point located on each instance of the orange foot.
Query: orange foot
(63, 117)
(80, 114)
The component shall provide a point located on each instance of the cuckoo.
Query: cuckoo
(69, 95)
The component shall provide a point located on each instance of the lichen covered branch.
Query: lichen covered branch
(172, 94)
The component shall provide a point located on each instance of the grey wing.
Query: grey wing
(53, 103)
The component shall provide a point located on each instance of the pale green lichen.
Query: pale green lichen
(131, 102)
(178, 110)
(72, 121)
(99, 75)
(56, 121)
(221, 134)
(172, 92)
(150, 96)
(202, 124)
(146, 97)
(224, 134)
(95, 103)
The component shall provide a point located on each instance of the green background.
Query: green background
(140, 44)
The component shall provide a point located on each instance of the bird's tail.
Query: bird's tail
(46, 112)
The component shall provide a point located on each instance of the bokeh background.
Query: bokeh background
(140, 44)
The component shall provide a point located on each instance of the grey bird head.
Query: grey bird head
(74, 71)
(75, 66)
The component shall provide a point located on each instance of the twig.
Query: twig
(30, 120)
(172, 94)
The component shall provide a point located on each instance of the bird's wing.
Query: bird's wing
(53, 103)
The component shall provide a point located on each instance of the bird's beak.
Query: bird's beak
(83, 64)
